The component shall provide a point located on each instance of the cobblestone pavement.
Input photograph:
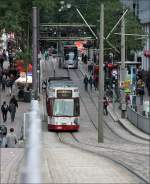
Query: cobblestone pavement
(127, 149)
(84, 161)
(11, 159)
(69, 165)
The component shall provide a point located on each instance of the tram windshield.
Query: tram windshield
(70, 53)
(66, 107)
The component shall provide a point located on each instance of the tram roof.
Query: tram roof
(62, 82)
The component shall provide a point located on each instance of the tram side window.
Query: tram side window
(76, 107)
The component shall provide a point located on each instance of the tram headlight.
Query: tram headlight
(76, 121)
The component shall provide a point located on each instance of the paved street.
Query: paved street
(80, 73)
(86, 160)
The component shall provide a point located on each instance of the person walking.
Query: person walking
(13, 104)
(1, 60)
(105, 104)
(3, 133)
(12, 110)
(3, 82)
(11, 139)
(91, 82)
(4, 109)
(95, 82)
(85, 81)
(14, 101)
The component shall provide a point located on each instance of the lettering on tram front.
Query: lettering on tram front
(64, 93)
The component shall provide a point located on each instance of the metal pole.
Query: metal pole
(86, 23)
(122, 68)
(34, 49)
(101, 77)
(113, 98)
(38, 48)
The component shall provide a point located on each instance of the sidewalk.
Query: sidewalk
(22, 108)
(116, 113)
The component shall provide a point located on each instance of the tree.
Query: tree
(16, 16)
(113, 11)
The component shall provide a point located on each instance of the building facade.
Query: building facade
(141, 8)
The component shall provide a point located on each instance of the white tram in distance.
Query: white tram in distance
(63, 106)
(70, 56)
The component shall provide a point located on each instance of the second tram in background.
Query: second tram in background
(70, 56)
(63, 106)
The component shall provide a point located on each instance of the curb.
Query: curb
(128, 129)
(116, 119)
(132, 132)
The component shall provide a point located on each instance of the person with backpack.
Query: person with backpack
(11, 139)
(4, 109)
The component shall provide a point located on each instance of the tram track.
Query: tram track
(94, 104)
(96, 128)
(80, 146)
(105, 151)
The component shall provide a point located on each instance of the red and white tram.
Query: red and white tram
(63, 106)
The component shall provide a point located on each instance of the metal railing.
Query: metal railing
(141, 122)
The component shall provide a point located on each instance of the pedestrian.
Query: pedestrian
(46, 55)
(3, 82)
(105, 104)
(14, 101)
(10, 83)
(4, 109)
(4, 55)
(12, 110)
(95, 82)
(11, 139)
(13, 104)
(90, 68)
(3, 133)
(10, 57)
(85, 81)
(91, 82)
(1, 60)
(44, 84)
(85, 58)
(127, 99)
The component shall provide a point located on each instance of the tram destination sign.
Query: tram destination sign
(64, 93)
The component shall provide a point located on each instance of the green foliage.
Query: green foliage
(16, 16)
(26, 55)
